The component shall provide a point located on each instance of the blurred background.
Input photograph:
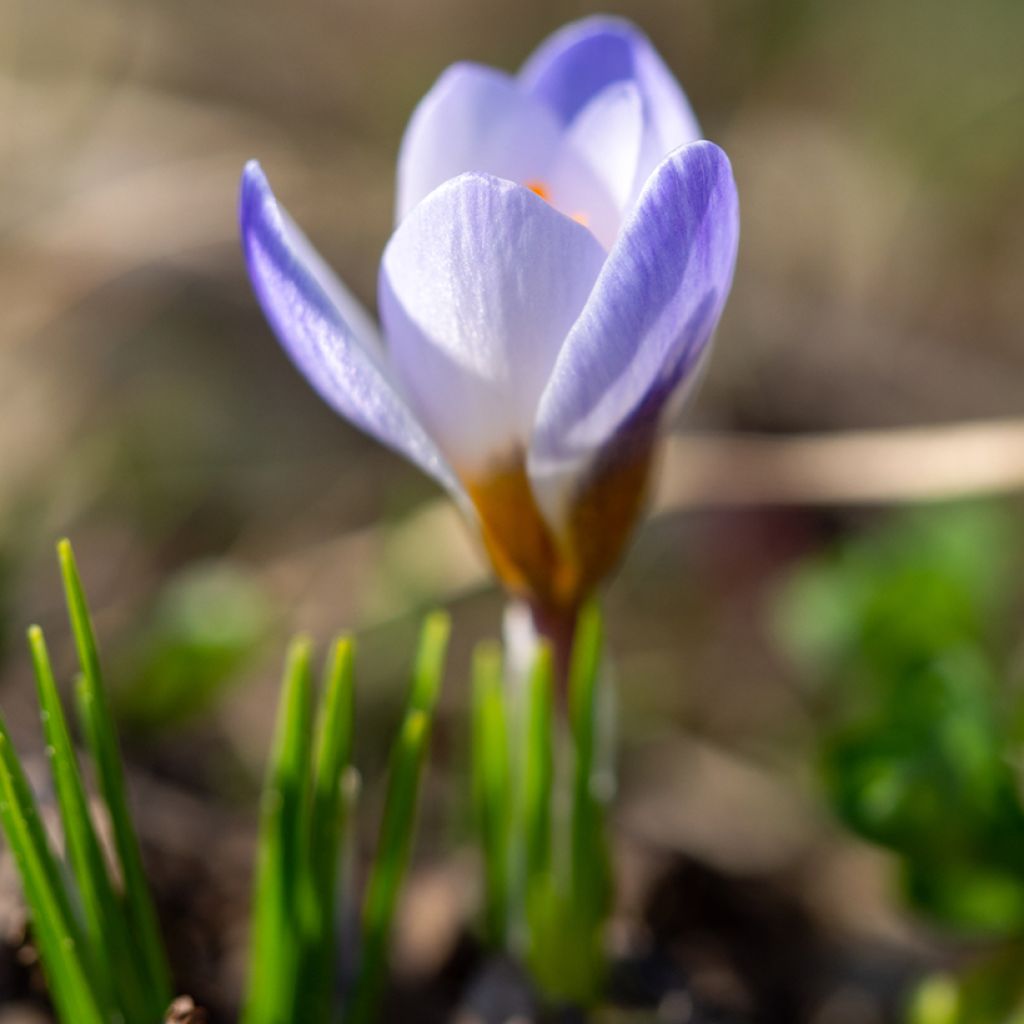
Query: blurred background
(216, 505)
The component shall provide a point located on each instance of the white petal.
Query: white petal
(479, 286)
(607, 133)
(475, 119)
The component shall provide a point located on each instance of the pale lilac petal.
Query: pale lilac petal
(479, 286)
(645, 327)
(594, 173)
(579, 61)
(607, 133)
(313, 316)
(575, 187)
(474, 119)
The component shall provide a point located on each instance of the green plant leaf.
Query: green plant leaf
(121, 975)
(492, 789)
(69, 967)
(277, 937)
(101, 737)
(394, 847)
(327, 825)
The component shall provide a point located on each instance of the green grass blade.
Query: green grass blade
(492, 789)
(389, 866)
(429, 667)
(333, 754)
(328, 821)
(589, 854)
(83, 848)
(276, 930)
(408, 756)
(538, 774)
(121, 984)
(101, 736)
(584, 676)
(66, 961)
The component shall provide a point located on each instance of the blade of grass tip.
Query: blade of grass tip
(122, 988)
(492, 789)
(389, 867)
(334, 731)
(101, 736)
(276, 943)
(328, 820)
(589, 858)
(66, 963)
(429, 667)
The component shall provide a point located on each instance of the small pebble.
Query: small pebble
(184, 1011)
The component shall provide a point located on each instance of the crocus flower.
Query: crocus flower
(563, 251)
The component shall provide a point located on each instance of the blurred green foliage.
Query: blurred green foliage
(905, 629)
(201, 632)
(908, 633)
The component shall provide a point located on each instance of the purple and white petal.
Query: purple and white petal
(314, 317)
(479, 287)
(474, 119)
(582, 59)
(645, 327)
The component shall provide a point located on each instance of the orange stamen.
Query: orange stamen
(540, 189)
